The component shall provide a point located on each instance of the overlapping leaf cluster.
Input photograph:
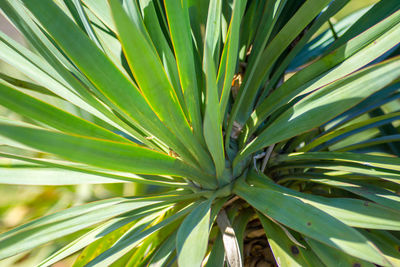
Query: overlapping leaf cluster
(242, 110)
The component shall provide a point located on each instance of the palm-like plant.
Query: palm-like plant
(232, 106)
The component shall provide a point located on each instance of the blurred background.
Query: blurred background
(20, 204)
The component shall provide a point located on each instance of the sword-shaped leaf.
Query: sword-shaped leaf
(333, 257)
(192, 236)
(212, 118)
(177, 13)
(309, 220)
(52, 116)
(100, 153)
(359, 51)
(99, 69)
(69, 221)
(351, 211)
(324, 104)
(286, 252)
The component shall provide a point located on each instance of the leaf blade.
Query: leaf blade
(320, 106)
(193, 232)
(100, 153)
(345, 237)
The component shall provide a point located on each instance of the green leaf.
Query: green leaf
(100, 153)
(164, 252)
(56, 64)
(377, 194)
(102, 11)
(303, 39)
(240, 225)
(212, 127)
(317, 224)
(26, 85)
(387, 243)
(134, 237)
(213, 27)
(107, 78)
(286, 252)
(192, 236)
(250, 26)
(371, 165)
(147, 248)
(60, 76)
(179, 26)
(106, 230)
(358, 52)
(217, 253)
(39, 70)
(97, 248)
(54, 226)
(358, 213)
(155, 85)
(373, 16)
(371, 142)
(324, 104)
(47, 176)
(268, 20)
(254, 78)
(365, 170)
(33, 108)
(333, 257)
(88, 172)
(161, 43)
(109, 42)
(332, 137)
(86, 23)
(371, 160)
(353, 212)
(229, 58)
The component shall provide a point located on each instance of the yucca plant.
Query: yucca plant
(272, 129)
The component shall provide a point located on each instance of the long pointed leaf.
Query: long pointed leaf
(193, 233)
(50, 115)
(320, 106)
(317, 224)
(382, 35)
(179, 25)
(100, 153)
(155, 85)
(100, 70)
(286, 252)
(54, 226)
(212, 127)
